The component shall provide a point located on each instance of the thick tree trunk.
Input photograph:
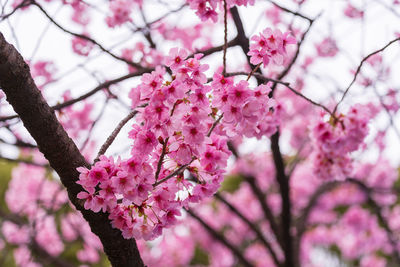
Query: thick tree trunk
(61, 152)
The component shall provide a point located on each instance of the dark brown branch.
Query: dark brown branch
(252, 226)
(215, 49)
(214, 125)
(260, 197)
(219, 237)
(160, 161)
(61, 152)
(265, 208)
(286, 215)
(278, 160)
(174, 173)
(98, 88)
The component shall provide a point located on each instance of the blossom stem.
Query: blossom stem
(160, 161)
(176, 172)
(253, 71)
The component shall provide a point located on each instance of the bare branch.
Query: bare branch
(98, 88)
(359, 69)
(133, 64)
(116, 131)
(290, 11)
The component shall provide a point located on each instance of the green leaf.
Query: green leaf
(231, 183)
(200, 257)
(5, 177)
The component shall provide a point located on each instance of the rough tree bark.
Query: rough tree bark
(61, 152)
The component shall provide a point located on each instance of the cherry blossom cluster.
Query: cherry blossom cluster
(75, 119)
(80, 13)
(327, 48)
(82, 46)
(38, 199)
(43, 71)
(270, 45)
(187, 36)
(147, 56)
(181, 124)
(144, 193)
(121, 12)
(207, 9)
(334, 140)
(246, 112)
(352, 12)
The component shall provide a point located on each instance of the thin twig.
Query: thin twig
(174, 173)
(253, 71)
(225, 36)
(24, 3)
(88, 94)
(290, 11)
(359, 69)
(214, 125)
(82, 36)
(25, 161)
(209, 51)
(116, 131)
(286, 84)
(94, 124)
(160, 161)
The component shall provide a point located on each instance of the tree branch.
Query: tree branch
(264, 206)
(252, 226)
(84, 37)
(98, 88)
(221, 239)
(286, 215)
